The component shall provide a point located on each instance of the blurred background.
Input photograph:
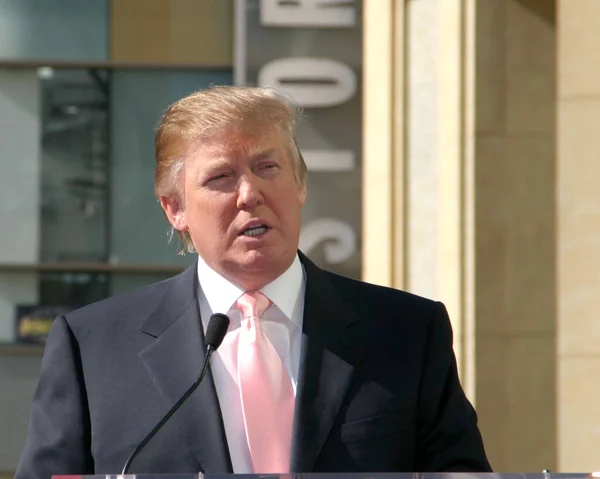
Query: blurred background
(452, 148)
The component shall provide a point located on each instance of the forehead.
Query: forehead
(236, 145)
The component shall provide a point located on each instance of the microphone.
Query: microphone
(215, 332)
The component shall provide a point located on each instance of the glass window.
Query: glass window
(85, 224)
(54, 30)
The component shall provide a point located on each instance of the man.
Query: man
(316, 373)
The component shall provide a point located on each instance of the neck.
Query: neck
(252, 281)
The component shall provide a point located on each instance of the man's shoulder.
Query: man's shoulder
(384, 295)
(137, 302)
(390, 309)
(392, 318)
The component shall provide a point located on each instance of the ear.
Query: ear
(302, 194)
(174, 212)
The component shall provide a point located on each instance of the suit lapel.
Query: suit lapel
(332, 347)
(173, 362)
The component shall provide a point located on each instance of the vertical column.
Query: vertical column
(383, 189)
(422, 146)
(452, 61)
(578, 168)
(413, 150)
(436, 166)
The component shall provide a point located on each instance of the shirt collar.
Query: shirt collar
(221, 294)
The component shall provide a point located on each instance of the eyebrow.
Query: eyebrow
(221, 163)
(217, 165)
(260, 155)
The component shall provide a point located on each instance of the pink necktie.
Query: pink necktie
(266, 391)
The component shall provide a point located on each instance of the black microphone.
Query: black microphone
(215, 332)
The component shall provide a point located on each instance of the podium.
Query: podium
(387, 475)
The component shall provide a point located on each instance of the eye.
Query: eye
(217, 177)
(269, 166)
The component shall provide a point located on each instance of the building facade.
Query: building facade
(453, 142)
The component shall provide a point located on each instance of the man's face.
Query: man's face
(241, 207)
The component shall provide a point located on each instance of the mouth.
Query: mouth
(255, 230)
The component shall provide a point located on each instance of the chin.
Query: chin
(257, 260)
(263, 261)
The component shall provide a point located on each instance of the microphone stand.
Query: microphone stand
(210, 349)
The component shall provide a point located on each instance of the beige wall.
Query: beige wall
(172, 32)
(578, 164)
(514, 227)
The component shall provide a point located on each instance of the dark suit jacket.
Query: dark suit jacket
(378, 387)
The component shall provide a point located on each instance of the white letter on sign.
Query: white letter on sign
(307, 13)
(311, 82)
(340, 240)
(329, 160)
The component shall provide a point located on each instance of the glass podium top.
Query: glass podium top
(437, 475)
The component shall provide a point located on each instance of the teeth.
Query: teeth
(255, 231)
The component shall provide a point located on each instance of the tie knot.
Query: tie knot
(253, 304)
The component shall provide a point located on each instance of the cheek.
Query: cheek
(210, 212)
(288, 208)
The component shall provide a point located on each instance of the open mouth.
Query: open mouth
(256, 230)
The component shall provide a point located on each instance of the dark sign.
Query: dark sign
(311, 50)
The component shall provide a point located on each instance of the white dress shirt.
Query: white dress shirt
(281, 323)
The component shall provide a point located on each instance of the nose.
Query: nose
(249, 194)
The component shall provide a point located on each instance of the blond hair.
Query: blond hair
(207, 113)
